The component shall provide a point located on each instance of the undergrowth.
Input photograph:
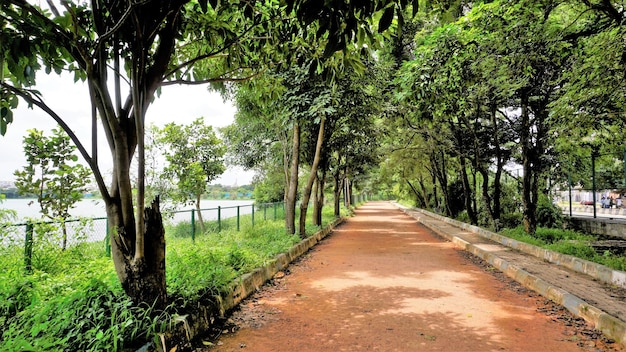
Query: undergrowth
(567, 242)
(73, 301)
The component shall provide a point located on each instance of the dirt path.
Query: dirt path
(381, 282)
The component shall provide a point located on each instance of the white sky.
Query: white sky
(179, 104)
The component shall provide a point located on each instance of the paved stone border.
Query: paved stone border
(602, 321)
(190, 326)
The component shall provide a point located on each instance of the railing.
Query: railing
(96, 229)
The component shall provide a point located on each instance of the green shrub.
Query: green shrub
(567, 242)
(181, 229)
(90, 318)
(511, 219)
(73, 300)
(548, 214)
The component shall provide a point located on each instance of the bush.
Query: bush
(548, 214)
(73, 300)
(181, 229)
(511, 220)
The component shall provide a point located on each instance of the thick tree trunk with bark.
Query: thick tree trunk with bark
(142, 277)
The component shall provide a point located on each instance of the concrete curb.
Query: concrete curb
(187, 327)
(602, 321)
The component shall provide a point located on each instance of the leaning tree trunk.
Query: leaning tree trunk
(292, 191)
(142, 277)
(306, 196)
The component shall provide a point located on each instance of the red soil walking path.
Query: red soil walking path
(382, 282)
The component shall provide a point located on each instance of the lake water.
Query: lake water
(94, 208)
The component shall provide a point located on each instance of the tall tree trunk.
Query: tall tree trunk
(306, 196)
(442, 177)
(486, 196)
(337, 194)
(529, 188)
(318, 201)
(467, 192)
(292, 192)
(497, 186)
(425, 195)
(435, 195)
(315, 193)
(347, 197)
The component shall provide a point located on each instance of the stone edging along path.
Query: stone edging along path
(608, 324)
(187, 327)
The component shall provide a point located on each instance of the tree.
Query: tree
(6, 215)
(148, 45)
(194, 158)
(52, 174)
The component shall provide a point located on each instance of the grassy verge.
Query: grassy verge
(568, 242)
(73, 300)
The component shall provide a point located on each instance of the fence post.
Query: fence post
(107, 239)
(238, 218)
(193, 225)
(28, 248)
(274, 211)
(219, 218)
(264, 211)
(252, 214)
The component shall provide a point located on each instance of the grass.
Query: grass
(568, 242)
(73, 301)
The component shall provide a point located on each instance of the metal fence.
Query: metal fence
(78, 231)
(94, 230)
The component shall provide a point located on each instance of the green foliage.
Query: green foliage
(548, 214)
(567, 242)
(52, 173)
(73, 300)
(180, 229)
(91, 317)
(270, 187)
(6, 215)
(545, 236)
(194, 157)
(511, 219)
